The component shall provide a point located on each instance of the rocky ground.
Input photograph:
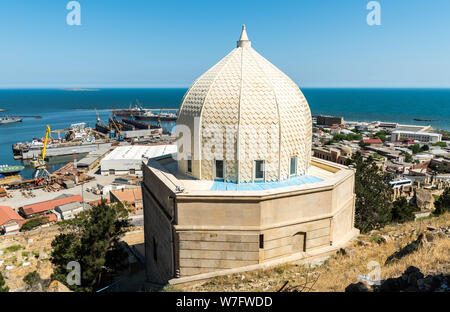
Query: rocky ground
(418, 252)
(24, 253)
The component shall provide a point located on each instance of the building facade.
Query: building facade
(424, 137)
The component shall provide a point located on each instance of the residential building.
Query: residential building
(45, 207)
(131, 197)
(10, 220)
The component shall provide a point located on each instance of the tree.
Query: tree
(373, 195)
(415, 148)
(402, 211)
(341, 137)
(408, 157)
(381, 135)
(93, 240)
(443, 203)
(3, 288)
(33, 223)
(32, 279)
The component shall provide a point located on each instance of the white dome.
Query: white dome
(271, 116)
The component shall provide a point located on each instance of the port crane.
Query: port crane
(38, 163)
(118, 127)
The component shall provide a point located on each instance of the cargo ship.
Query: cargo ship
(156, 117)
(78, 139)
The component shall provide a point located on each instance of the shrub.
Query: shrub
(3, 288)
(32, 279)
(12, 248)
(33, 223)
(375, 238)
(402, 211)
(373, 195)
(441, 144)
(443, 203)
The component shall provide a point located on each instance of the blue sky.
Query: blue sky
(148, 43)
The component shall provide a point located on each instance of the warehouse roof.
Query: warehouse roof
(69, 206)
(140, 151)
(49, 204)
(8, 214)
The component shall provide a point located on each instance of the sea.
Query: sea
(59, 108)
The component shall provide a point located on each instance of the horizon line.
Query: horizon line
(94, 88)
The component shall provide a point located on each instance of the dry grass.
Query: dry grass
(341, 270)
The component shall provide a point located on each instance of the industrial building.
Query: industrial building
(125, 160)
(69, 210)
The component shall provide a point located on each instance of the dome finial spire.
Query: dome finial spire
(243, 41)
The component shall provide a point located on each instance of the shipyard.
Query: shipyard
(78, 150)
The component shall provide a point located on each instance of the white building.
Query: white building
(424, 137)
(68, 211)
(244, 190)
(128, 159)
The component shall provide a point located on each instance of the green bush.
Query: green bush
(32, 279)
(3, 288)
(442, 205)
(441, 144)
(402, 211)
(12, 248)
(373, 194)
(33, 223)
(341, 137)
(415, 148)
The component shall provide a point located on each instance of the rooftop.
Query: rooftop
(373, 141)
(8, 214)
(140, 151)
(50, 204)
(322, 174)
(69, 206)
(129, 195)
(418, 133)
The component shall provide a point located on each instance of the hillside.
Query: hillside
(342, 269)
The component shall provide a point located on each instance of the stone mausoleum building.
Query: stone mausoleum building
(242, 191)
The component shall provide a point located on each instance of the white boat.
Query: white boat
(4, 120)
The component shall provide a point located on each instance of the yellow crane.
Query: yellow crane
(38, 163)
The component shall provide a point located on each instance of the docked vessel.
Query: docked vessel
(78, 139)
(132, 111)
(155, 117)
(10, 170)
(5, 120)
